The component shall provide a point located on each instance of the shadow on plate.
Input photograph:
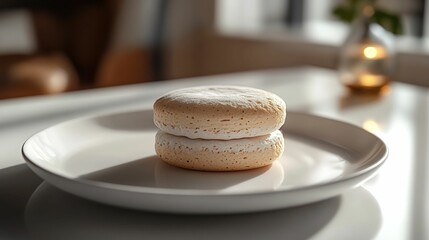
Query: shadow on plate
(152, 172)
(140, 120)
(53, 214)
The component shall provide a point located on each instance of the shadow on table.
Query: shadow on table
(53, 214)
(17, 183)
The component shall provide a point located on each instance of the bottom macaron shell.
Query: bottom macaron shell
(218, 155)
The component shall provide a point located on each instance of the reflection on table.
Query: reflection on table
(51, 213)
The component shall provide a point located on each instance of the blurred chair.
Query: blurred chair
(35, 75)
(125, 66)
(78, 47)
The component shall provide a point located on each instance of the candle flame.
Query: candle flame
(370, 52)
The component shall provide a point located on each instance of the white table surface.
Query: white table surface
(392, 205)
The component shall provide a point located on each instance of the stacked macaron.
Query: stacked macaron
(219, 128)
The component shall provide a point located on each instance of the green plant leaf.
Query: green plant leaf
(349, 11)
(344, 14)
(389, 21)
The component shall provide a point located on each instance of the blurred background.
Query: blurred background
(51, 47)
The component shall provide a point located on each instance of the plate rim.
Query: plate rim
(209, 193)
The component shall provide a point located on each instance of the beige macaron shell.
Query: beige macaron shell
(219, 112)
(219, 155)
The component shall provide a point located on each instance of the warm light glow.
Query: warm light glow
(371, 80)
(372, 126)
(373, 52)
(58, 81)
(370, 52)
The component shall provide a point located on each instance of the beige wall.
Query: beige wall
(195, 48)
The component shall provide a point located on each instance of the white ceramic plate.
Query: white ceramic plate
(111, 159)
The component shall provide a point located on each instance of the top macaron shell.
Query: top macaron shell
(219, 112)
